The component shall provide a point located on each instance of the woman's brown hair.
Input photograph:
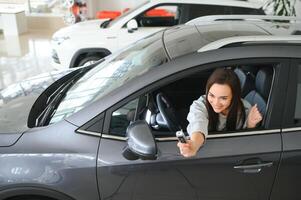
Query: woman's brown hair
(236, 108)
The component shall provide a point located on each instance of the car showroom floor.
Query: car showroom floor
(24, 56)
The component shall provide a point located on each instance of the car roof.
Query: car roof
(237, 3)
(210, 18)
(223, 32)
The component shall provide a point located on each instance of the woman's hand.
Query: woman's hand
(254, 117)
(187, 149)
(192, 146)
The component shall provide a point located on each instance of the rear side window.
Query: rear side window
(245, 11)
(160, 16)
(203, 10)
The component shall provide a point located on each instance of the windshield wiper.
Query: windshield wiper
(82, 72)
(105, 23)
(47, 113)
(54, 99)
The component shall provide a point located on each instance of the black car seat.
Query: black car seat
(259, 95)
(247, 81)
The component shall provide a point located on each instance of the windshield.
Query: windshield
(117, 70)
(120, 17)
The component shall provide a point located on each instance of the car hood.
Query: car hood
(16, 101)
(90, 26)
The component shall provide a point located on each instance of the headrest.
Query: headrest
(263, 81)
(249, 69)
(246, 81)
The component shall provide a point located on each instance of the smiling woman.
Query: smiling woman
(220, 98)
(221, 108)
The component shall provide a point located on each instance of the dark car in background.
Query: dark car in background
(107, 131)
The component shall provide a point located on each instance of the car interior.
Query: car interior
(165, 109)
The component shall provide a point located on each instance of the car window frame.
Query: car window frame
(272, 124)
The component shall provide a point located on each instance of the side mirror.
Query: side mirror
(132, 25)
(140, 143)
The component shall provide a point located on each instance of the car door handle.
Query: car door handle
(253, 168)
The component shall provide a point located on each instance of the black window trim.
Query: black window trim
(278, 63)
(107, 114)
(288, 118)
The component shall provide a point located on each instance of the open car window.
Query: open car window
(256, 83)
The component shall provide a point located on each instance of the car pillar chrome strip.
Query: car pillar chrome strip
(291, 129)
(114, 137)
(88, 132)
(102, 135)
(259, 132)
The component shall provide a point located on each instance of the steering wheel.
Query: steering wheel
(167, 112)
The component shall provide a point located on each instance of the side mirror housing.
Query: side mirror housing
(132, 25)
(140, 143)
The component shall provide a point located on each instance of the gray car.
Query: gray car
(107, 131)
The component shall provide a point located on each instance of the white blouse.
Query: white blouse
(198, 117)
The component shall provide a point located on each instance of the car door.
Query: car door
(288, 179)
(232, 165)
(150, 21)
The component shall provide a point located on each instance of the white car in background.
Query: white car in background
(86, 42)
